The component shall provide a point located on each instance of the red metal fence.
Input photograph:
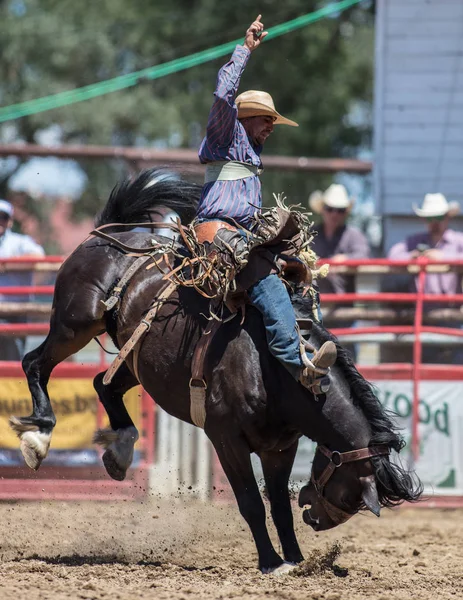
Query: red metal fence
(416, 371)
(54, 483)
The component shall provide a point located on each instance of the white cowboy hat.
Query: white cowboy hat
(436, 205)
(336, 196)
(6, 207)
(256, 104)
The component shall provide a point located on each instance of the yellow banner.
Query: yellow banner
(74, 402)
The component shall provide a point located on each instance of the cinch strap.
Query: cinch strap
(229, 170)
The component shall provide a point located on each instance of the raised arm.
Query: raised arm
(223, 115)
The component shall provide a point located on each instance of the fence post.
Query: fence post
(417, 351)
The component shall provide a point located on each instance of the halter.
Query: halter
(337, 515)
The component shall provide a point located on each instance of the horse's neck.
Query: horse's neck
(333, 419)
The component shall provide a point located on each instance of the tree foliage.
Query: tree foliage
(317, 75)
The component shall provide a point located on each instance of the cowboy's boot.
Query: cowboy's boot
(314, 375)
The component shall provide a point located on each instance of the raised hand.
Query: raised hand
(255, 34)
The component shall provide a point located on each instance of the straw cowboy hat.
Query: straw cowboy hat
(336, 196)
(256, 104)
(436, 205)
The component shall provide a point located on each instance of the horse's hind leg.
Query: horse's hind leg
(63, 340)
(119, 441)
(277, 468)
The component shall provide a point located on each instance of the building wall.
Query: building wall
(418, 109)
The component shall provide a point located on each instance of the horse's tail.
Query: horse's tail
(132, 200)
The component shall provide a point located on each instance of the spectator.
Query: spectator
(438, 243)
(12, 245)
(338, 241)
(334, 238)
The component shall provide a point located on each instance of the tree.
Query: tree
(317, 75)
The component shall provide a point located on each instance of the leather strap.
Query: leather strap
(199, 355)
(116, 293)
(337, 459)
(198, 384)
(142, 328)
(98, 232)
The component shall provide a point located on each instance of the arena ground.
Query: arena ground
(186, 550)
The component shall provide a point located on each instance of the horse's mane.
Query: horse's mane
(394, 484)
(131, 200)
(382, 427)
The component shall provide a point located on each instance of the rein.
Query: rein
(337, 459)
(98, 232)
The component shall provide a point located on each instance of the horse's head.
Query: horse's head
(341, 484)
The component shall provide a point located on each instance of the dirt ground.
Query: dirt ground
(185, 550)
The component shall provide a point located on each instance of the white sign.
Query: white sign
(440, 431)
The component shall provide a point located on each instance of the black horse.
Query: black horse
(253, 404)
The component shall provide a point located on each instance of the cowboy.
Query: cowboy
(438, 243)
(236, 131)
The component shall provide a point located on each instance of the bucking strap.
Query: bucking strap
(142, 328)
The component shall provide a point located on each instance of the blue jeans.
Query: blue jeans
(270, 297)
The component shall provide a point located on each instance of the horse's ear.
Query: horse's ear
(370, 494)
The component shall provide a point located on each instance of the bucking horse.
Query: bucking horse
(252, 404)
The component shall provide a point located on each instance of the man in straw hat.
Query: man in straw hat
(336, 240)
(237, 129)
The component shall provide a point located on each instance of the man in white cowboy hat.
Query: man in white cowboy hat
(237, 129)
(439, 242)
(12, 245)
(334, 238)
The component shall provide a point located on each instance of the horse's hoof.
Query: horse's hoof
(112, 467)
(283, 569)
(34, 444)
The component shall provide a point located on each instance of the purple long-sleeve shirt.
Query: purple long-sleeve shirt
(451, 246)
(226, 139)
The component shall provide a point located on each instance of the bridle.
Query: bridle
(337, 459)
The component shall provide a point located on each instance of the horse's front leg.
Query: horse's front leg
(234, 456)
(277, 468)
(119, 441)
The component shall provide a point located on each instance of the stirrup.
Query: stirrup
(315, 385)
(322, 360)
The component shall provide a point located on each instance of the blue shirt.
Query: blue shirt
(12, 245)
(226, 139)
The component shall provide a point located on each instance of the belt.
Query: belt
(229, 170)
